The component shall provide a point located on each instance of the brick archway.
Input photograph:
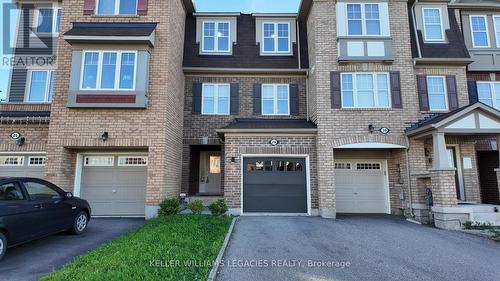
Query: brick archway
(382, 139)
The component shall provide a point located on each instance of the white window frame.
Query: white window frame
(492, 91)
(375, 89)
(276, 41)
(27, 91)
(20, 160)
(117, 9)
(117, 70)
(442, 39)
(363, 19)
(216, 37)
(99, 165)
(487, 32)
(445, 87)
(216, 98)
(373, 163)
(132, 165)
(275, 93)
(346, 166)
(37, 165)
(497, 36)
(55, 11)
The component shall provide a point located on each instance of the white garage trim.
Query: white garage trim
(308, 183)
(373, 145)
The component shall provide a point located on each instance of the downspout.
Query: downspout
(299, 56)
(415, 30)
(298, 44)
(408, 174)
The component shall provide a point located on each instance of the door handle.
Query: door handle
(38, 206)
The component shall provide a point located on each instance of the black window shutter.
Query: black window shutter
(197, 88)
(396, 90)
(422, 92)
(451, 84)
(473, 96)
(294, 99)
(335, 88)
(235, 99)
(257, 99)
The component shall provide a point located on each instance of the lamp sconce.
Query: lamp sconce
(371, 128)
(20, 141)
(427, 152)
(105, 136)
(233, 159)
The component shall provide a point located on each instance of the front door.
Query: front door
(210, 173)
(452, 162)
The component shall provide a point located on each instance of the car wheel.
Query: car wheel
(80, 223)
(3, 245)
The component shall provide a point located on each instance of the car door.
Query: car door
(54, 211)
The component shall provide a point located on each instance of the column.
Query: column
(498, 169)
(442, 174)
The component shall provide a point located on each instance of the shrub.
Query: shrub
(467, 225)
(196, 206)
(169, 206)
(218, 208)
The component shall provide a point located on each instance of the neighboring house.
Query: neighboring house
(343, 107)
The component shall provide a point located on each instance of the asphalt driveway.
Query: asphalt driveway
(354, 248)
(33, 260)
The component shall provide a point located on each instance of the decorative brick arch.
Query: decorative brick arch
(396, 140)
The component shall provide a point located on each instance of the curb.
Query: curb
(215, 267)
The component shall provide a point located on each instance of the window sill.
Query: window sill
(215, 115)
(115, 16)
(369, 109)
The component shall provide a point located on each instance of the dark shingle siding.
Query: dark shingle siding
(17, 85)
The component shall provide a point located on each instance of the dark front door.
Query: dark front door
(487, 163)
(274, 185)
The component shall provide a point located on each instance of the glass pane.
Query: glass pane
(10, 191)
(223, 43)
(268, 92)
(354, 27)
(433, 32)
(269, 30)
(223, 29)
(268, 107)
(223, 101)
(282, 107)
(497, 28)
(373, 27)
(435, 85)
(108, 71)
(128, 7)
(372, 19)
(38, 86)
(366, 99)
(484, 93)
(58, 20)
(40, 191)
(269, 44)
(290, 166)
(437, 102)
(383, 90)
(127, 71)
(282, 92)
(209, 99)
(283, 45)
(51, 86)
(383, 98)
(282, 30)
(209, 43)
(497, 95)
(45, 19)
(268, 166)
(354, 23)
(432, 21)
(106, 7)
(480, 39)
(90, 70)
(478, 24)
(364, 82)
(347, 98)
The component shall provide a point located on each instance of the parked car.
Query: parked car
(33, 208)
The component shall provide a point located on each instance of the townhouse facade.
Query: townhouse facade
(344, 107)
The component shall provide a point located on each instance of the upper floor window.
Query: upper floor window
(365, 90)
(216, 36)
(109, 70)
(276, 37)
(275, 99)
(496, 22)
(215, 99)
(479, 30)
(436, 90)
(363, 19)
(116, 7)
(48, 20)
(40, 86)
(489, 93)
(433, 24)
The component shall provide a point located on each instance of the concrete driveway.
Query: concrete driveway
(354, 248)
(33, 260)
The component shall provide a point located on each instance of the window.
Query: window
(216, 37)
(99, 161)
(275, 99)
(363, 19)
(116, 7)
(342, 166)
(37, 161)
(215, 99)
(276, 37)
(11, 160)
(10, 191)
(479, 30)
(489, 93)
(433, 24)
(496, 22)
(368, 166)
(132, 161)
(38, 191)
(436, 89)
(41, 86)
(289, 166)
(48, 20)
(365, 90)
(109, 70)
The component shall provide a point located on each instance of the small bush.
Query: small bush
(477, 225)
(169, 206)
(467, 225)
(196, 206)
(218, 208)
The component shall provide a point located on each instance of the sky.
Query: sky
(243, 6)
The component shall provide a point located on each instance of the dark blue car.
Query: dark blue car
(33, 208)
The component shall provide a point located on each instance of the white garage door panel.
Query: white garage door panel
(24, 170)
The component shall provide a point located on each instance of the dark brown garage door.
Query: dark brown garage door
(488, 162)
(274, 185)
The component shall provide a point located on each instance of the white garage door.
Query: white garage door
(32, 166)
(114, 185)
(361, 187)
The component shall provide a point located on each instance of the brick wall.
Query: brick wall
(35, 134)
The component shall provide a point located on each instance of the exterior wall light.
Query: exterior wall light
(105, 136)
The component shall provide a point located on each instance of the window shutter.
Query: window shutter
(235, 99)
(197, 89)
(336, 94)
(257, 99)
(422, 92)
(451, 84)
(88, 7)
(142, 7)
(473, 96)
(396, 90)
(294, 99)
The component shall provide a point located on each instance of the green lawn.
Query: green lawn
(160, 250)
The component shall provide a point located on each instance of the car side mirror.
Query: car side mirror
(69, 195)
